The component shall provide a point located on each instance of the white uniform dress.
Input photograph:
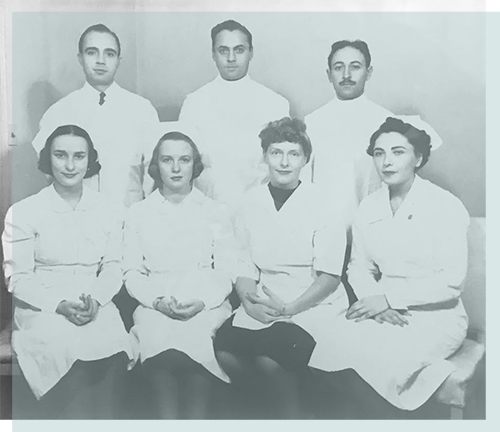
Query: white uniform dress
(421, 254)
(54, 253)
(118, 129)
(284, 249)
(229, 116)
(340, 133)
(187, 251)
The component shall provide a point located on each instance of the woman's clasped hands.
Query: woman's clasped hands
(376, 308)
(265, 309)
(174, 309)
(79, 313)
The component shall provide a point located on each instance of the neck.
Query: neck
(235, 80)
(288, 186)
(69, 194)
(175, 197)
(101, 88)
(351, 99)
(401, 190)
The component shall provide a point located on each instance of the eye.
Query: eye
(111, 54)
(186, 159)
(59, 155)
(166, 159)
(356, 67)
(240, 50)
(80, 156)
(398, 152)
(275, 152)
(91, 52)
(338, 68)
(377, 153)
(222, 50)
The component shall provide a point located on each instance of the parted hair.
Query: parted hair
(286, 130)
(231, 25)
(44, 163)
(360, 45)
(98, 28)
(419, 139)
(154, 170)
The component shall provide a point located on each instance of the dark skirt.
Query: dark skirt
(285, 343)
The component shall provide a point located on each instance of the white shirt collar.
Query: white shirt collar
(94, 94)
(242, 82)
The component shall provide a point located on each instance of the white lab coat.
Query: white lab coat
(187, 251)
(54, 253)
(340, 133)
(284, 249)
(421, 254)
(229, 116)
(118, 129)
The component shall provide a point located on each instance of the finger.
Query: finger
(358, 313)
(395, 319)
(268, 292)
(253, 297)
(363, 317)
(354, 308)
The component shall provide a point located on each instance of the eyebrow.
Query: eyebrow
(97, 49)
(236, 46)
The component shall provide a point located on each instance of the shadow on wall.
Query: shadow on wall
(41, 96)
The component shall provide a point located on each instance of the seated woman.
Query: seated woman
(292, 252)
(63, 255)
(408, 262)
(179, 255)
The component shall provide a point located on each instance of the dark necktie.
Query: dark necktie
(102, 95)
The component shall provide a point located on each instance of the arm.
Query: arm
(137, 280)
(450, 258)
(362, 270)
(18, 241)
(110, 277)
(223, 273)
(150, 122)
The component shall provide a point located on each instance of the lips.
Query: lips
(69, 175)
(176, 178)
(387, 173)
(283, 172)
(100, 71)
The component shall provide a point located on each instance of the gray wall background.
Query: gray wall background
(431, 64)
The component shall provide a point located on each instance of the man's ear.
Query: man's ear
(329, 75)
(370, 71)
(80, 59)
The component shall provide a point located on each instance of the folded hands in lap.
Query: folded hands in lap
(264, 309)
(376, 308)
(182, 311)
(79, 313)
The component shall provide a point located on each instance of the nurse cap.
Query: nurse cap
(417, 122)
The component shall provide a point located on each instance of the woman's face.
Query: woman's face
(69, 158)
(395, 159)
(176, 162)
(285, 160)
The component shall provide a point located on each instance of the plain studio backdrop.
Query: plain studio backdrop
(431, 64)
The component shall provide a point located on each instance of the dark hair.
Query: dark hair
(357, 44)
(154, 170)
(44, 163)
(99, 28)
(419, 139)
(231, 25)
(286, 130)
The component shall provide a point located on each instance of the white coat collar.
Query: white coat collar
(92, 93)
(87, 201)
(241, 83)
(164, 206)
(382, 208)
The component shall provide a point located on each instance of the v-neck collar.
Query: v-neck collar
(59, 205)
(165, 206)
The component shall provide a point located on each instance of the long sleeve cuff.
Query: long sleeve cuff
(142, 288)
(217, 288)
(32, 292)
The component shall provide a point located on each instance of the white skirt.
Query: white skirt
(47, 344)
(157, 333)
(405, 365)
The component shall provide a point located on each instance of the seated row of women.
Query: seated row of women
(180, 254)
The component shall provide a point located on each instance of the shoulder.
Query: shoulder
(443, 203)
(319, 114)
(106, 208)
(261, 91)
(135, 101)
(64, 103)
(28, 209)
(202, 92)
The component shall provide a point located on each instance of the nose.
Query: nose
(387, 160)
(284, 161)
(70, 165)
(346, 73)
(231, 57)
(100, 58)
(176, 167)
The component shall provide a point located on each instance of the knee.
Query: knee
(229, 362)
(268, 366)
(171, 361)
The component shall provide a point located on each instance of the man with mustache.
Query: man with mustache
(229, 113)
(116, 119)
(340, 131)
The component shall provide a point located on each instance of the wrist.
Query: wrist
(288, 309)
(156, 301)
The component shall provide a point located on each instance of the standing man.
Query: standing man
(116, 119)
(340, 131)
(229, 114)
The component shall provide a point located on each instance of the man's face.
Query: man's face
(348, 73)
(99, 58)
(232, 54)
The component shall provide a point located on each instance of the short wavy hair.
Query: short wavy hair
(419, 139)
(98, 28)
(358, 44)
(154, 169)
(44, 162)
(231, 25)
(286, 130)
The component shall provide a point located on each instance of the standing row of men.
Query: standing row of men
(227, 114)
